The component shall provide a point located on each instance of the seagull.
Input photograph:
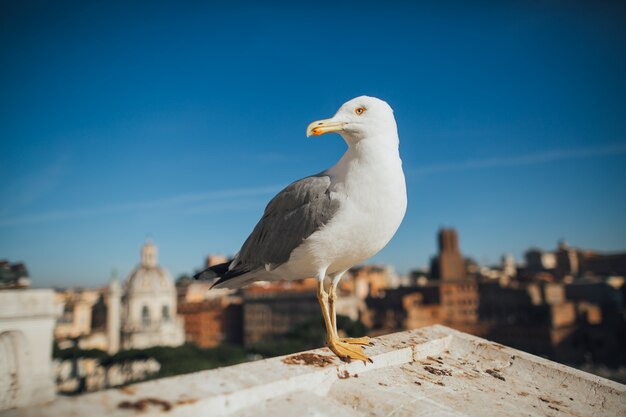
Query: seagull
(323, 225)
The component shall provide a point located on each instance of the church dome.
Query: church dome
(148, 276)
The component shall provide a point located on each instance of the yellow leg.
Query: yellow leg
(345, 351)
(332, 296)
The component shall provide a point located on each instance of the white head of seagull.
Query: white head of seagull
(362, 118)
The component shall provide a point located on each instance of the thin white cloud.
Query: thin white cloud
(528, 159)
(225, 199)
(242, 204)
(200, 202)
(39, 183)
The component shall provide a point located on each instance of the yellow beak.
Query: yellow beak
(324, 126)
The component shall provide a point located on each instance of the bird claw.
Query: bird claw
(347, 351)
(363, 341)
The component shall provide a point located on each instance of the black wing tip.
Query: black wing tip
(220, 273)
(215, 271)
(217, 282)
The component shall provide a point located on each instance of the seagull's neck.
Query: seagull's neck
(366, 147)
(364, 156)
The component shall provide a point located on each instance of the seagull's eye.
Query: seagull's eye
(359, 110)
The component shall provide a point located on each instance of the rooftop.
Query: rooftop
(433, 371)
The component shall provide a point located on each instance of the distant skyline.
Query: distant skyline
(179, 121)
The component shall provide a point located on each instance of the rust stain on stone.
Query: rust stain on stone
(495, 373)
(142, 404)
(439, 372)
(343, 375)
(550, 400)
(438, 360)
(309, 359)
(184, 401)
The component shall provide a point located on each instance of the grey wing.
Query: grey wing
(290, 217)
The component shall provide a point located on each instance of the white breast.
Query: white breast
(370, 184)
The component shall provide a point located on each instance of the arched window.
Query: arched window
(145, 316)
(166, 313)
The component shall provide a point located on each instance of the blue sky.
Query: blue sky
(179, 121)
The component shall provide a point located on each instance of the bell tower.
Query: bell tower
(149, 255)
(114, 314)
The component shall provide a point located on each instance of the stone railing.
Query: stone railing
(26, 325)
(434, 371)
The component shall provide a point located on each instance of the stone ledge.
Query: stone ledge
(27, 303)
(432, 371)
(26, 326)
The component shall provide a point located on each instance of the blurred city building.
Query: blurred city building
(448, 265)
(538, 261)
(212, 322)
(270, 310)
(194, 291)
(149, 315)
(365, 281)
(141, 314)
(75, 318)
(535, 317)
(569, 262)
(566, 304)
(562, 304)
(214, 259)
(270, 316)
(450, 296)
(212, 316)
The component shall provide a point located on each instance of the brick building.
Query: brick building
(460, 302)
(364, 281)
(567, 261)
(404, 308)
(458, 292)
(210, 323)
(448, 265)
(270, 313)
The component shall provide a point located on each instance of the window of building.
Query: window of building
(166, 313)
(145, 316)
